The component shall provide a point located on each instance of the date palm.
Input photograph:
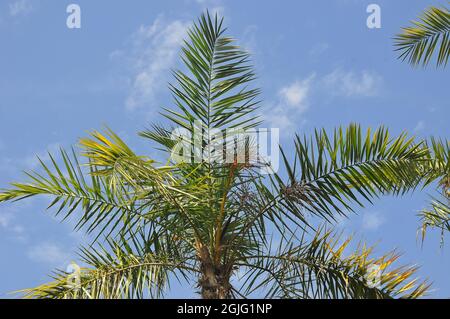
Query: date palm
(418, 43)
(225, 226)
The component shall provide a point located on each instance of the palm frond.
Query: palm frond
(121, 190)
(331, 174)
(70, 190)
(207, 218)
(118, 271)
(214, 94)
(431, 33)
(320, 269)
(436, 217)
(437, 171)
(438, 166)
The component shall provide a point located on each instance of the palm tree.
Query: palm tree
(431, 33)
(224, 225)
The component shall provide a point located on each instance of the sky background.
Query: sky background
(318, 65)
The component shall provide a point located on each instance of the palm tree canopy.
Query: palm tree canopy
(223, 225)
(418, 43)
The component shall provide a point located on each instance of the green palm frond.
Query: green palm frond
(330, 174)
(117, 271)
(112, 197)
(204, 220)
(431, 33)
(320, 269)
(70, 190)
(215, 93)
(438, 165)
(436, 217)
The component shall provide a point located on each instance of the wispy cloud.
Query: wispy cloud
(153, 53)
(372, 220)
(10, 225)
(32, 161)
(49, 253)
(20, 7)
(5, 219)
(293, 101)
(420, 126)
(11, 164)
(295, 94)
(353, 84)
(248, 39)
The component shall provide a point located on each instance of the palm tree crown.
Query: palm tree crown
(223, 225)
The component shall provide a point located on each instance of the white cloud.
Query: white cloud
(248, 39)
(372, 221)
(49, 253)
(295, 94)
(153, 54)
(292, 103)
(5, 220)
(420, 126)
(32, 161)
(14, 165)
(8, 223)
(20, 7)
(353, 84)
(294, 98)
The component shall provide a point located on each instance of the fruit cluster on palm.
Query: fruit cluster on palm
(223, 226)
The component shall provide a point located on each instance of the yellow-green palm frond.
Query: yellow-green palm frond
(114, 191)
(437, 216)
(320, 268)
(333, 173)
(119, 270)
(215, 92)
(418, 43)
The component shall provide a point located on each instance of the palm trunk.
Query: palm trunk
(214, 281)
(214, 284)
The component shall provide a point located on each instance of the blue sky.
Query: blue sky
(317, 63)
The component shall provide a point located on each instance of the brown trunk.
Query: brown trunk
(214, 284)
(214, 281)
